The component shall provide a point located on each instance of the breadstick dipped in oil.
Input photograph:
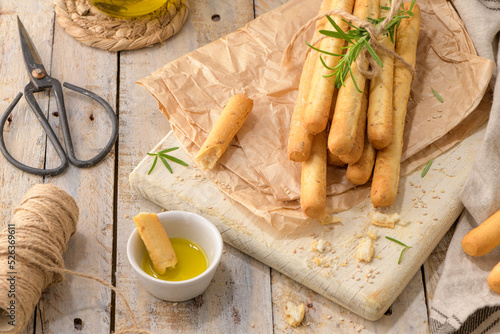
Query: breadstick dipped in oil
(379, 114)
(225, 128)
(484, 238)
(320, 97)
(299, 139)
(313, 179)
(359, 141)
(344, 125)
(387, 164)
(156, 240)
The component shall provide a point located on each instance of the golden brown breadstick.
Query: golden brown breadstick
(156, 241)
(320, 97)
(334, 159)
(360, 172)
(379, 127)
(359, 141)
(494, 279)
(344, 125)
(387, 165)
(484, 238)
(225, 128)
(299, 139)
(313, 179)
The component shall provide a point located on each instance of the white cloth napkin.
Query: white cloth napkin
(462, 302)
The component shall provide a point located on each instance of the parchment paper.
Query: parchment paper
(255, 170)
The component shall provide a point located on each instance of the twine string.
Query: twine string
(42, 226)
(373, 68)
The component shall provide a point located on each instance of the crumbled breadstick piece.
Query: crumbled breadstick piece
(372, 234)
(327, 220)
(381, 219)
(294, 314)
(365, 250)
(318, 245)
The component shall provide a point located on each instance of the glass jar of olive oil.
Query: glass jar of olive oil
(127, 8)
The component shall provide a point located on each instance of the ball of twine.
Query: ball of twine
(87, 25)
(39, 232)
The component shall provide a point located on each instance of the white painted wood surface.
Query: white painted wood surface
(246, 295)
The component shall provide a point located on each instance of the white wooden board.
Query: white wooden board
(428, 207)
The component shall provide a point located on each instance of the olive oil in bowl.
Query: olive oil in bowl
(192, 261)
(128, 8)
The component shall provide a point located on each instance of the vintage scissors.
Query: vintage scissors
(40, 81)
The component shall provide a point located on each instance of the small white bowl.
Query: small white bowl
(179, 224)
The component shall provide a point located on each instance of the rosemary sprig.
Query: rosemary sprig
(163, 157)
(427, 168)
(402, 244)
(357, 39)
(436, 94)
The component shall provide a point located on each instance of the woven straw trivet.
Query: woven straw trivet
(87, 25)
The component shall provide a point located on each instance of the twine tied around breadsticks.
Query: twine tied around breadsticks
(373, 68)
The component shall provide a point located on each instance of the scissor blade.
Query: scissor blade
(31, 57)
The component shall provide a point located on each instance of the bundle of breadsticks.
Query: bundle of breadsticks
(360, 129)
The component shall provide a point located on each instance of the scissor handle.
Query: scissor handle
(28, 91)
(65, 125)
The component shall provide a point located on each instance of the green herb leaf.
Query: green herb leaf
(426, 168)
(436, 94)
(402, 244)
(154, 164)
(163, 156)
(166, 164)
(174, 159)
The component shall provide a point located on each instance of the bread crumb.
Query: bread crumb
(294, 314)
(317, 261)
(365, 250)
(372, 234)
(318, 245)
(327, 220)
(384, 220)
(253, 325)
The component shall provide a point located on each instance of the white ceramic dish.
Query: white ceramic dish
(179, 224)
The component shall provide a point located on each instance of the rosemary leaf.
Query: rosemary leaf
(166, 164)
(174, 159)
(168, 150)
(402, 244)
(436, 94)
(427, 168)
(154, 164)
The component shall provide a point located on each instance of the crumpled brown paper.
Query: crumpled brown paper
(255, 170)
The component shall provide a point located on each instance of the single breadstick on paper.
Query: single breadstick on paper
(484, 238)
(156, 240)
(334, 159)
(343, 130)
(313, 179)
(379, 113)
(225, 128)
(321, 92)
(360, 172)
(388, 162)
(359, 141)
(494, 279)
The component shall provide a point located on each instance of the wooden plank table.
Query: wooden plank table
(246, 295)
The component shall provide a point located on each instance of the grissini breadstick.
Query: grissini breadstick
(313, 179)
(484, 238)
(344, 125)
(156, 240)
(320, 97)
(379, 127)
(334, 159)
(225, 128)
(360, 172)
(299, 139)
(494, 279)
(387, 164)
(359, 141)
